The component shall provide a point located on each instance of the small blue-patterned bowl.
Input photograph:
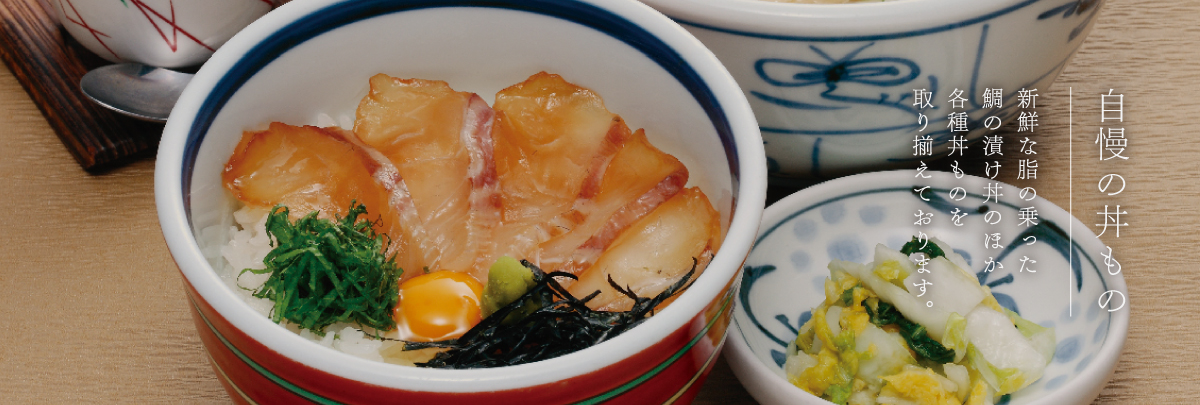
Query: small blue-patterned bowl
(783, 278)
(832, 84)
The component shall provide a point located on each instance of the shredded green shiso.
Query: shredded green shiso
(324, 271)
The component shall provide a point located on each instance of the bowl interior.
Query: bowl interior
(770, 18)
(487, 50)
(309, 59)
(845, 219)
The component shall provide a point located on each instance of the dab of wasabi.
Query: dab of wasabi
(507, 281)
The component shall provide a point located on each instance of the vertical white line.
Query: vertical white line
(1070, 200)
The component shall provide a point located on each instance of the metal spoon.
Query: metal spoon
(139, 91)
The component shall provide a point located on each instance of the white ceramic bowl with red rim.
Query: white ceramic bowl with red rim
(845, 218)
(832, 84)
(314, 57)
(165, 33)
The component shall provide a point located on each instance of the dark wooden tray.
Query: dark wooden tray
(49, 64)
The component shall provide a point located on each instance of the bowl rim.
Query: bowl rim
(766, 386)
(835, 22)
(748, 184)
(141, 45)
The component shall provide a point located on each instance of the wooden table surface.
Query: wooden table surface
(92, 308)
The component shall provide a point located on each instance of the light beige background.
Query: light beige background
(92, 308)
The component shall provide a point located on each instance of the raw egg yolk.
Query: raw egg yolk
(437, 306)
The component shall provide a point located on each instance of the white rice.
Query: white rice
(248, 245)
(243, 245)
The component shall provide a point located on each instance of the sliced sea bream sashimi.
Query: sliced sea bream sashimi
(550, 137)
(637, 179)
(654, 252)
(317, 169)
(440, 143)
(572, 174)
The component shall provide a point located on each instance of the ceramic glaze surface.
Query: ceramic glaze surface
(164, 33)
(844, 219)
(833, 85)
(313, 58)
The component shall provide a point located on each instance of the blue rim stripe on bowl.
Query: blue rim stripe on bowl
(348, 12)
(619, 390)
(895, 35)
(772, 229)
(747, 284)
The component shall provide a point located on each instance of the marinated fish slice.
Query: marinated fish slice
(636, 180)
(306, 168)
(485, 198)
(315, 169)
(440, 143)
(550, 137)
(614, 140)
(548, 133)
(401, 202)
(654, 252)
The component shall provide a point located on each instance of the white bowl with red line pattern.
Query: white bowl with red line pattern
(163, 33)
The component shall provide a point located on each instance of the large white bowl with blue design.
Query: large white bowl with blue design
(783, 278)
(832, 84)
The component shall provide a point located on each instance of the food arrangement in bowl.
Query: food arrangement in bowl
(875, 339)
(834, 86)
(348, 195)
(460, 189)
(835, 306)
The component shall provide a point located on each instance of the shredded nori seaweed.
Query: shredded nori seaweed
(561, 324)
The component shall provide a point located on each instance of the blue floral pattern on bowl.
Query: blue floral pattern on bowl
(833, 104)
(783, 278)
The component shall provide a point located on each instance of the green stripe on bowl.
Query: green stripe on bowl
(593, 400)
(662, 366)
(228, 380)
(699, 372)
(263, 371)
